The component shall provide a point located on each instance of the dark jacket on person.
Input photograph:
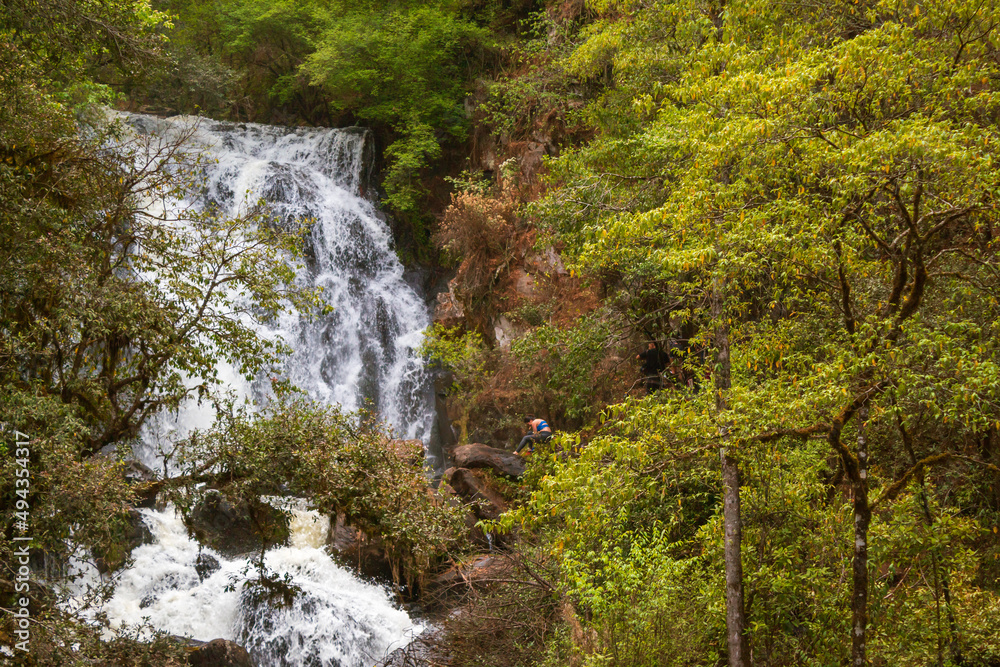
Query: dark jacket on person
(654, 361)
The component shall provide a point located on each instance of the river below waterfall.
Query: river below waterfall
(362, 354)
(335, 620)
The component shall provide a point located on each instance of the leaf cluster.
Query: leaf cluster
(340, 465)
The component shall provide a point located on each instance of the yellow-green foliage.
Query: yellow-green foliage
(820, 181)
(461, 352)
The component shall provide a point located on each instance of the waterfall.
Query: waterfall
(335, 619)
(362, 354)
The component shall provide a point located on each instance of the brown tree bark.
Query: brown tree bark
(855, 466)
(736, 634)
(736, 623)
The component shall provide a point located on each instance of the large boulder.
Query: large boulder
(220, 653)
(132, 534)
(206, 565)
(482, 500)
(473, 487)
(236, 530)
(499, 461)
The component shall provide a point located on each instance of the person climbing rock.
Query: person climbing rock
(540, 432)
(654, 361)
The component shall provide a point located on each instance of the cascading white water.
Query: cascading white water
(335, 619)
(363, 354)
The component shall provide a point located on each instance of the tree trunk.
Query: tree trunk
(862, 519)
(736, 623)
(739, 646)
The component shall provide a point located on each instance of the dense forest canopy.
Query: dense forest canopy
(805, 194)
(398, 66)
(797, 201)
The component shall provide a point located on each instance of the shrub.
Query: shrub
(483, 233)
(341, 465)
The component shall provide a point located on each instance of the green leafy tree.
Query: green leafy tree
(110, 309)
(809, 191)
(399, 65)
(341, 465)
